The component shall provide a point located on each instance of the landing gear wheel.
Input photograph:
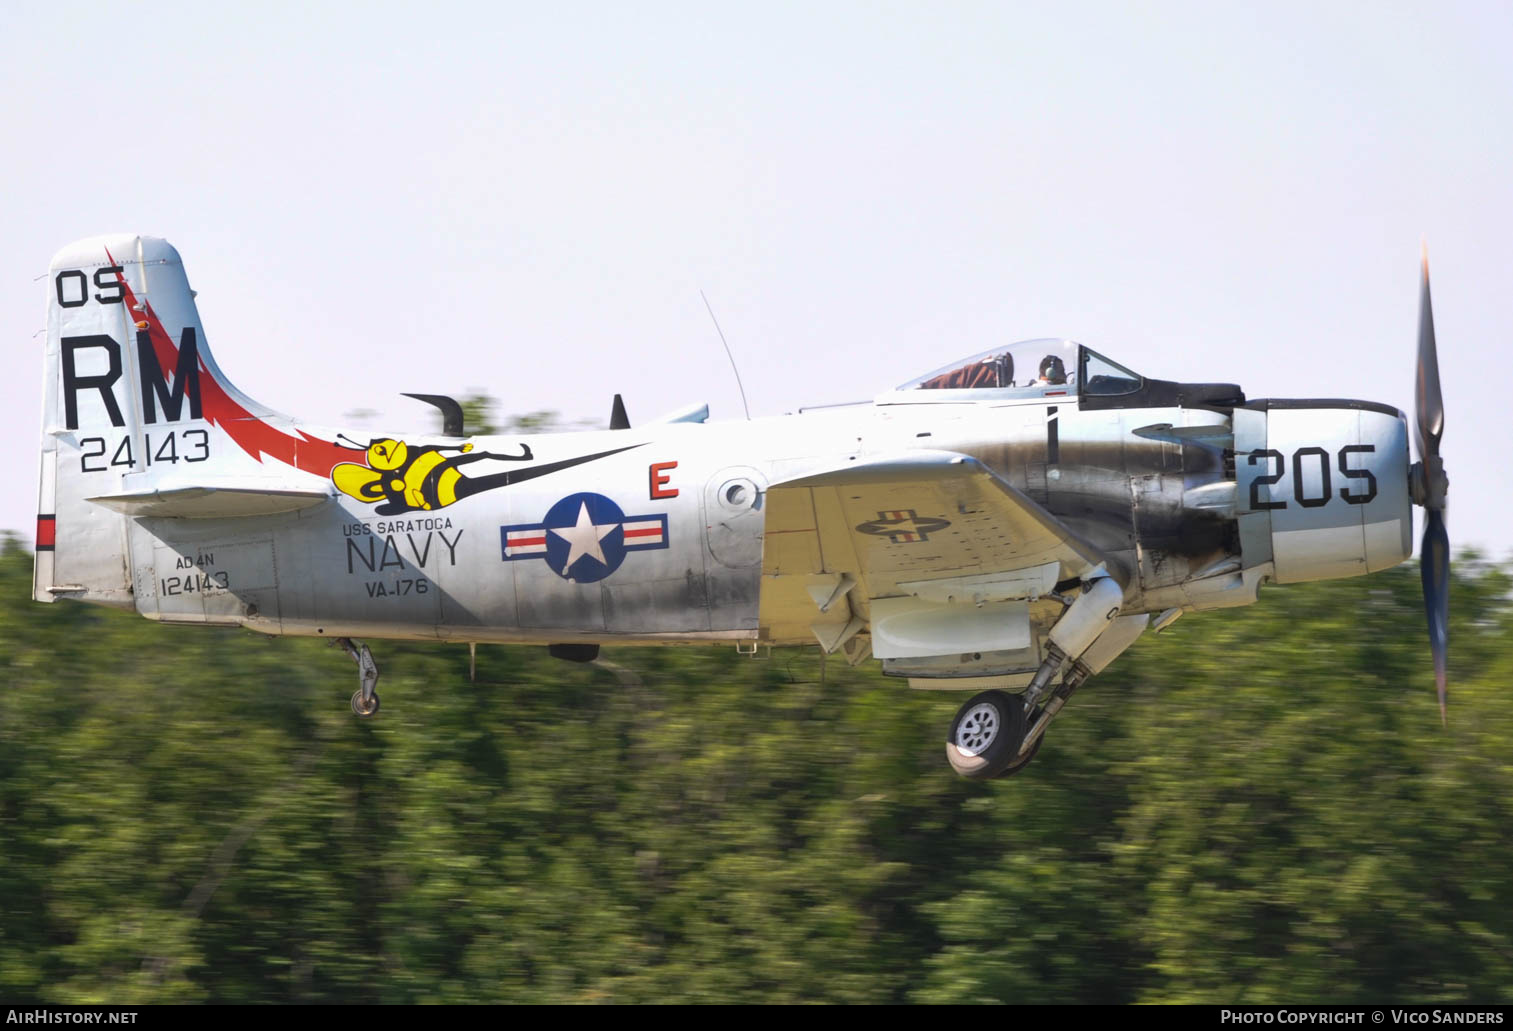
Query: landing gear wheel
(986, 734)
(1021, 761)
(364, 708)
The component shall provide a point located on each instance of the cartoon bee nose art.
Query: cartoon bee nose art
(418, 477)
(390, 454)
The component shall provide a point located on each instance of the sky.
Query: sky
(526, 199)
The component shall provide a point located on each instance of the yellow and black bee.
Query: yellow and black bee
(417, 477)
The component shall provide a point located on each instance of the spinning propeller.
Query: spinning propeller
(1429, 485)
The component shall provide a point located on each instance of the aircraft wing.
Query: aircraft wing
(934, 525)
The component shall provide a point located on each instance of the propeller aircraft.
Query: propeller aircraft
(1007, 524)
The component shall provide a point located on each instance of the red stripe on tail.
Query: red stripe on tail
(253, 435)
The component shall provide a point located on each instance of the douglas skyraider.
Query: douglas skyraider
(1007, 525)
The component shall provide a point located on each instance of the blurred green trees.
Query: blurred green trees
(1256, 806)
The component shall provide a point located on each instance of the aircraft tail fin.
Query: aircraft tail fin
(135, 407)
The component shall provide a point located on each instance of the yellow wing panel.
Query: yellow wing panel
(908, 520)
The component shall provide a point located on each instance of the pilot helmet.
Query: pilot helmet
(1052, 370)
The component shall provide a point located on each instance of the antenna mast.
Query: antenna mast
(733, 369)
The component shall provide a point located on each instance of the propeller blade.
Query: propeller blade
(1434, 568)
(1429, 421)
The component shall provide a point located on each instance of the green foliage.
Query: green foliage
(479, 412)
(1256, 806)
(480, 417)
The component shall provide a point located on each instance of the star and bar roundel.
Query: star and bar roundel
(903, 526)
(584, 537)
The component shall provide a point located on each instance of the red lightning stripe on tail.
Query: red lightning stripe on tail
(252, 434)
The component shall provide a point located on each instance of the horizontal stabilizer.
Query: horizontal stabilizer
(205, 502)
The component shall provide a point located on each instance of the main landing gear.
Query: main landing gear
(996, 734)
(365, 698)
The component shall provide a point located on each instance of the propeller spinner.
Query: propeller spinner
(1429, 486)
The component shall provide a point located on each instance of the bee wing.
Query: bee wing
(358, 481)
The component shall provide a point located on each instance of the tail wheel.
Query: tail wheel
(986, 734)
(364, 706)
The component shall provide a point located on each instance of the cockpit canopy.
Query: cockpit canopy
(1046, 367)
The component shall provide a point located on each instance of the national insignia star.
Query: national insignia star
(583, 538)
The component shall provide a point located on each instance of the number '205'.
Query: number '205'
(1360, 488)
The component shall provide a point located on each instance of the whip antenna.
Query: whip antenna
(733, 369)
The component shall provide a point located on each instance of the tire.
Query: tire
(985, 736)
(358, 709)
(1022, 761)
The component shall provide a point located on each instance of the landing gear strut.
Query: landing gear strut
(365, 698)
(1037, 721)
(997, 734)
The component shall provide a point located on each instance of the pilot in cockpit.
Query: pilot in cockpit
(1052, 371)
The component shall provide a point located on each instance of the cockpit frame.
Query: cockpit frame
(1098, 382)
(1043, 370)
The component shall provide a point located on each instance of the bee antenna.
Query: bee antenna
(349, 440)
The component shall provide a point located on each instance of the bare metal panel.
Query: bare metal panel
(224, 582)
(734, 501)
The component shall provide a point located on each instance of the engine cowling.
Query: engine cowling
(1322, 487)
